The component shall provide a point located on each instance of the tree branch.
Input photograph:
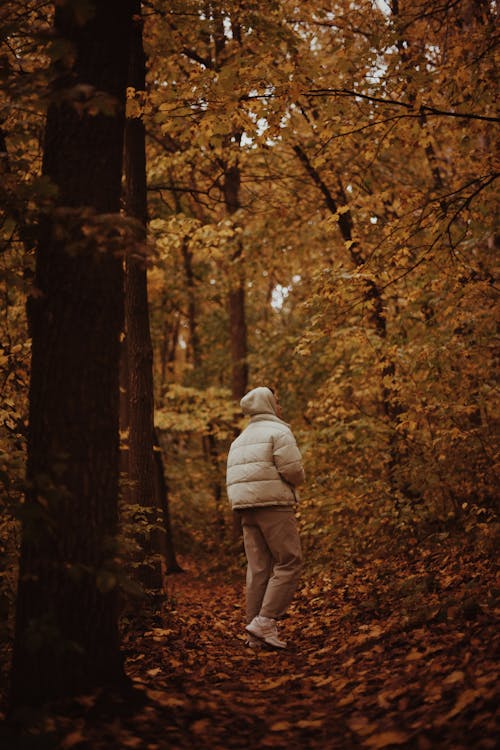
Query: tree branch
(195, 57)
(424, 109)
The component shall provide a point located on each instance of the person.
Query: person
(264, 467)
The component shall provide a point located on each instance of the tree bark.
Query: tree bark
(236, 298)
(145, 464)
(238, 333)
(187, 257)
(237, 311)
(161, 488)
(139, 349)
(66, 639)
(170, 338)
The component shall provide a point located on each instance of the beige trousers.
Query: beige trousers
(274, 556)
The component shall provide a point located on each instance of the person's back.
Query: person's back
(264, 464)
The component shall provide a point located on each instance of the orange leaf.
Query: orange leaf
(280, 726)
(386, 739)
(200, 726)
(311, 724)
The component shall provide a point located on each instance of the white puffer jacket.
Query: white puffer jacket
(264, 464)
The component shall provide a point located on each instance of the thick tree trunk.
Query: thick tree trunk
(66, 639)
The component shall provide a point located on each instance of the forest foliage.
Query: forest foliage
(365, 141)
(337, 162)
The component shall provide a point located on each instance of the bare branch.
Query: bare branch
(424, 109)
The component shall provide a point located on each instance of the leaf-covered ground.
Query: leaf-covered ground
(383, 653)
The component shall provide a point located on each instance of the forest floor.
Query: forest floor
(385, 652)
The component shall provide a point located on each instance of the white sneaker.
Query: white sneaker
(252, 642)
(265, 629)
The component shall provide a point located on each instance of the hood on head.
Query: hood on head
(259, 401)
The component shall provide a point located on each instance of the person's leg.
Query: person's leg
(280, 532)
(259, 563)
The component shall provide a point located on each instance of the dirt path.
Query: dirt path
(353, 675)
(392, 654)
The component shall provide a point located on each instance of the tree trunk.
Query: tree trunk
(237, 312)
(187, 257)
(125, 495)
(144, 461)
(238, 325)
(66, 639)
(236, 300)
(211, 453)
(139, 350)
(169, 342)
(161, 488)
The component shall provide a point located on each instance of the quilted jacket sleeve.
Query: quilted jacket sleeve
(288, 459)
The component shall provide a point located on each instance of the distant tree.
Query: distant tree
(66, 638)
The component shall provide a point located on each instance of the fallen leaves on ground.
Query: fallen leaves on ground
(396, 652)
